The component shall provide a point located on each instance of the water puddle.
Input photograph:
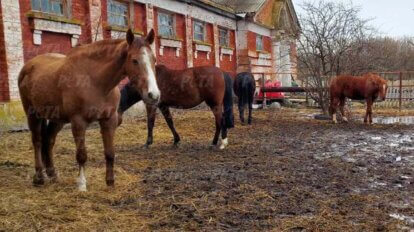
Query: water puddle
(405, 120)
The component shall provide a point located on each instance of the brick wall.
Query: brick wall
(226, 64)
(4, 81)
(52, 41)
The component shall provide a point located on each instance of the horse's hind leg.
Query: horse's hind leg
(78, 131)
(151, 115)
(48, 141)
(108, 131)
(168, 118)
(250, 105)
(35, 126)
(241, 108)
(218, 113)
(224, 140)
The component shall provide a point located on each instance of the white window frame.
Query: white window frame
(172, 16)
(65, 7)
(261, 47)
(115, 14)
(227, 44)
(204, 30)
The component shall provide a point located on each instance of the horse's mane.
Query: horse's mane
(99, 49)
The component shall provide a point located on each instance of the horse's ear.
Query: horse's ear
(150, 37)
(130, 36)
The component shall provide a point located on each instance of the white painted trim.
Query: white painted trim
(244, 25)
(192, 11)
(59, 27)
(164, 42)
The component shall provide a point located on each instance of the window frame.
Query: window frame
(117, 14)
(173, 27)
(261, 44)
(204, 30)
(227, 37)
(65, 7)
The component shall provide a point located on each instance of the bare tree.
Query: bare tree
(331, 31)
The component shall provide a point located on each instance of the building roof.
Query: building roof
(241, 6)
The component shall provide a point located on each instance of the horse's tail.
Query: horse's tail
(228, 119)
(129, 96)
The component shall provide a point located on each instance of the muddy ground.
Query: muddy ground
(286, 172)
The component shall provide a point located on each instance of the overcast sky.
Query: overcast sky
(392, 17)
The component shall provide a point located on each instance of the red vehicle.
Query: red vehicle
(271, 97)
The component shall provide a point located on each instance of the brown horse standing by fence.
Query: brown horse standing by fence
(186, 89)
(369, 87)
(81, 88)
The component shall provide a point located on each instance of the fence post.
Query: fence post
(400, 94)
(306, 92)
(264, 93)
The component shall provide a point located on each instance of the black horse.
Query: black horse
(244, 87)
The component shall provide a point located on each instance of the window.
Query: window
(259, 43)
(198, 31)
(224, 37)
(55, 7)
(166, 25)
(117, 13)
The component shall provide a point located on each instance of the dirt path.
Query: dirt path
(287, 172)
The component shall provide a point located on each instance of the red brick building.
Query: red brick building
(235, 35)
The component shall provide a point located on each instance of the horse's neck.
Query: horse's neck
(108, 60)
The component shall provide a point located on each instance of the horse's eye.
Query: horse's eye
(135, 61)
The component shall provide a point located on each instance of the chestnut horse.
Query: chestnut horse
(369, 87)
(244, 88)
(81, 88)
(185, 89)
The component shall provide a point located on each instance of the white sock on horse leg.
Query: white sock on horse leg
(345, 119)
(82, 180)
(334, 118)
(224, 143)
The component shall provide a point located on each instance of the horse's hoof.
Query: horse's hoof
(38, 179)
(147, 146)
(176, 144)
(224, 143)
(110, 183)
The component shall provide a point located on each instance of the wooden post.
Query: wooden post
(264, 93)
(400, 94)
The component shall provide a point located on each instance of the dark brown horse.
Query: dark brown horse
(186, 89)
(368, 87)
(81, 88)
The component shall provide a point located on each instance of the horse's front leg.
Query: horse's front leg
(78, 130)
(108, 131)
(168, 118)
(151, 115)
(341, 108)
(333, 108)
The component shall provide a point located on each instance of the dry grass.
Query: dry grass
(246, 187)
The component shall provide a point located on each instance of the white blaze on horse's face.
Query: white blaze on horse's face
(153, 91)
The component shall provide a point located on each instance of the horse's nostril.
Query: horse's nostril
(150, 95)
